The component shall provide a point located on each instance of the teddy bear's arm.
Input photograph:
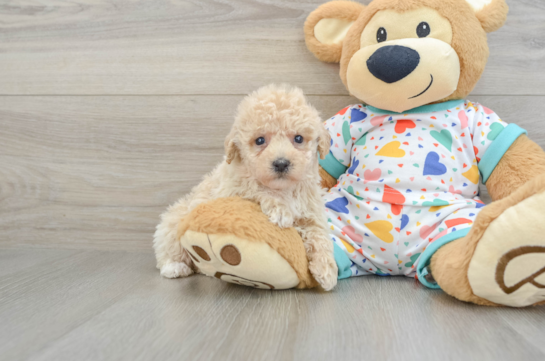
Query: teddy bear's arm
(328, 180)
(523, 161)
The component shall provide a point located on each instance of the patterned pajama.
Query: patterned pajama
(408, 180)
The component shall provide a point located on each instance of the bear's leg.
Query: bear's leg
(501, 261)
(232, 240)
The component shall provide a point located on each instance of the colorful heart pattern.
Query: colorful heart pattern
(353, 166)
(472, 174)
(409, 180)
(338, 205)
(495, 130)
(433, 166)
(357, 115)
(392, 150)
(403, 124)
(425, 231)
(346, 133)
(372, 175)
(362, 140)
(382, 230)
(394, 197)
(351, 233)
(444, 138)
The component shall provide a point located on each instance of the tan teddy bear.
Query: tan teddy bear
(404, 168)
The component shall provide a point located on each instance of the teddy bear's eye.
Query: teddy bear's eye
(381, 35)
(423, 29)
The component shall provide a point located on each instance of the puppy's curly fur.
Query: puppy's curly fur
(290, 198)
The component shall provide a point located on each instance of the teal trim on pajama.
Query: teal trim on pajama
(425, 258)
(423, 109)
(332, 166)
(343, 262)
(498, 148)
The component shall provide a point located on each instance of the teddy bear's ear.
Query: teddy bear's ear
(491, 13)
(326, 27)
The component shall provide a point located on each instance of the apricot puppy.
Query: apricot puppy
(271, 159)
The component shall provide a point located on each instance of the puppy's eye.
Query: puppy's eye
(298, 139)
(260, 141)
(423, 29)
(382, 35)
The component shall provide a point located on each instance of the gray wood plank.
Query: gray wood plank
(43, 302)
(18, 260)
(209, 47)
(96, 172)
(114, 306)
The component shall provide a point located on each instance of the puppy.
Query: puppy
(271, 158)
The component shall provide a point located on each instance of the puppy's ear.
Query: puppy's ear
(491, 13)
(324, 142)
(326, 27)
(231, 149)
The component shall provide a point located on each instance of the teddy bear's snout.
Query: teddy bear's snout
(393, 62)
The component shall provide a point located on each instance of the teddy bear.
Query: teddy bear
(405, 165)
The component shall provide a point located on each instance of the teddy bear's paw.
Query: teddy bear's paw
(324, 270)
(508, 265)
(237, 260)
(175, 270)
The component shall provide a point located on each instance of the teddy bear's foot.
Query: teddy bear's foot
(237, 260)
(508, 266)
(502, 260)
(232, 240)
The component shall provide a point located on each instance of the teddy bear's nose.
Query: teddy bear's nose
(393, 62)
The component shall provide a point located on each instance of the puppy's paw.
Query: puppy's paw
(175, 270)
(324, 270)
(281, 217)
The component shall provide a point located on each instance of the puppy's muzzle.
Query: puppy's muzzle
(281, 165)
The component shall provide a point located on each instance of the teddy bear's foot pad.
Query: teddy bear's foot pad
(240, 261)
(508, 266)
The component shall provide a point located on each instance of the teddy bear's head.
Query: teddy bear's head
(401, 54)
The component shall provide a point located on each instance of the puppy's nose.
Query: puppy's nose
(281, 165)
(393, 62)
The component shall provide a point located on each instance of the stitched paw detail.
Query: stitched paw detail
(239, 261)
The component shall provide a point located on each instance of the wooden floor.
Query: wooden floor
(95, 305)
(111, 110)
